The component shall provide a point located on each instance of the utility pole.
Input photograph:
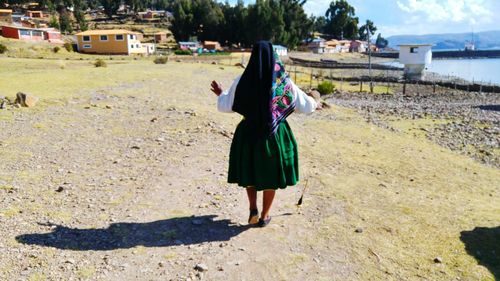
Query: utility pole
(369, 57)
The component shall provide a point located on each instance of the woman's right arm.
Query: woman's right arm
(304, 103)
(226, 98)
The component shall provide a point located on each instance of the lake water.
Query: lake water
(478, 70)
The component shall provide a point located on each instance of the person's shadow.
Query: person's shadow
(162, 233)
(483, 244)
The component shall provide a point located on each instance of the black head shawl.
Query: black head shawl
(254, 91)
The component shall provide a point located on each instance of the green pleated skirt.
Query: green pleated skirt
(269, 163)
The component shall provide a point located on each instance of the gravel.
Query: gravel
(471, 120)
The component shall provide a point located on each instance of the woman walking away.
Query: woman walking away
(263, 154)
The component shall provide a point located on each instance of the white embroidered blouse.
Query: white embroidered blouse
(304, 103)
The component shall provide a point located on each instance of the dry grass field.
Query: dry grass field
(119, 173)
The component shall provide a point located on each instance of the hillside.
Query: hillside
(451, 41)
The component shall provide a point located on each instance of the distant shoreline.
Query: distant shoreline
(478, 54)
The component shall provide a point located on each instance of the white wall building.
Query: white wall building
(415, 58)
(281, 50)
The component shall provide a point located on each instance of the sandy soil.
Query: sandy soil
(126, 181)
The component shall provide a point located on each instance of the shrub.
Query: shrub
(326, 87)
(68, 46)
(161, 60)
(100, 63)
(3, 48)
(183, 52)
(56, 49)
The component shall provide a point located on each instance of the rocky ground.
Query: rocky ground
(126, 180)
(461, 121)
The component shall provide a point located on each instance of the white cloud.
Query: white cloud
(447, 10)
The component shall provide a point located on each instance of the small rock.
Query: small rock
(60, 189)
(240, 65)
(315, 95)
(201, 267)
(358, 230)
(438, 260)
(135, 147)
(3, 104)
(108, 106)
(26, 100)
(160, 139)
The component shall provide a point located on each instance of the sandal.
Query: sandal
(253, 218)
(264, 222)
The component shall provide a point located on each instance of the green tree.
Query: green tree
(234, 22)
(65, 23)
(183, 23)
(297, 24)
(319, 24)
(207, 19)
(53, 22)
(368, 26)
(110, 7)
(341, 20)
(79, 7)
(381, 42)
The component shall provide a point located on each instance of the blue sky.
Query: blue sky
(396, 17)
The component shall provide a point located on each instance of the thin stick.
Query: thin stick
(303, 192)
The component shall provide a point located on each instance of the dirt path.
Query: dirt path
(128, 183)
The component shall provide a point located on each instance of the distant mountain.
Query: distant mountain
(453, 41)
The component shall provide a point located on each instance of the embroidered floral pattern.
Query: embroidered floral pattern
(282, 102)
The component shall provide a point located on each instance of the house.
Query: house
(345, 46)
(160, 37)
(415, 57)
(6, 15)
(317, 45)
(34, 14)
(18, 18)
(150, 48)
(188, 45)
(281, 50)
(28, 23)
(374, 48)
(150, 15)
(332, 46)
(114, 41)
(358, 46)
(50, 35)
(212, 45)
(53, 35)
